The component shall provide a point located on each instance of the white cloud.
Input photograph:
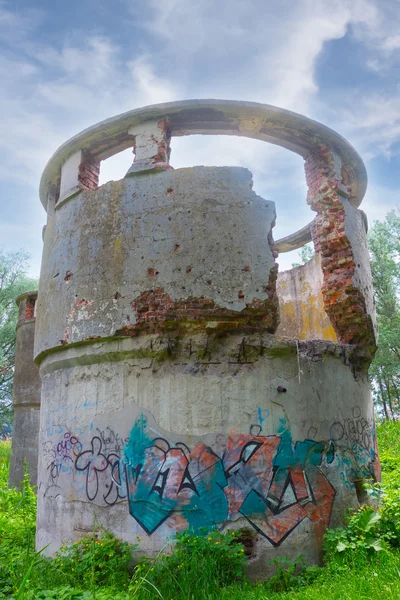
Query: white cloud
(256, 50)
(379, 200)
(50, 95)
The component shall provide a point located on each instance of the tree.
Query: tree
(305, 254)
(384, 245)
(13, 282)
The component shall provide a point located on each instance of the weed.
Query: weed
(198, 562)
(96, 560)
(362, 533)
(290, 574)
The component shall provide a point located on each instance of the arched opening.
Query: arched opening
(278, 175)
(115, 167)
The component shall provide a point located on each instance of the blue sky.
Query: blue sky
(67, 65)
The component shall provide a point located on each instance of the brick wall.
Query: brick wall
(88, 174)
(344, 302)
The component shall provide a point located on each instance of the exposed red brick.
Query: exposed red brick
(344, 303)
(29, 308)
(88, 173)
(157, 312)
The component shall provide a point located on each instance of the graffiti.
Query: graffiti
(270, 481)
(356, 430)
(94, 461)
(262, 414)
(273, 482)
(58, 458)
(112, 441)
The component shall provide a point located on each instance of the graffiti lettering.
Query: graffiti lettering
(271, 482)
(59, 457)
(112, 441)
(354, 431)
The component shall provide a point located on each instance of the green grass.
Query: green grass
(5, 450)
(364, 578)
(89, 569)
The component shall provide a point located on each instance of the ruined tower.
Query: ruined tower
(26, 395)
(168, 400)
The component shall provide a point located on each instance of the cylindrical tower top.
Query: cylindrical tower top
(75, 165)
(26, 303)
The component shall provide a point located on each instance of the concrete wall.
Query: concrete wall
(356, 228)
(190, 248)
(26, 396)
(301, 306)
(247, 433)
(166, 403)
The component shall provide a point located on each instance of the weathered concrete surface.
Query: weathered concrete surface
(356, 231)
(146, 252)
(153, 434)
(26, 396)
(301, 306)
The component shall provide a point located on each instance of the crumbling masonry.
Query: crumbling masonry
(185, 384)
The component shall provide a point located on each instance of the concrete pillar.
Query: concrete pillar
(168, 402)
(26, 395)
(151, 146)
(79, 172)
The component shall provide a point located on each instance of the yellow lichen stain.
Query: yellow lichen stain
(305, 288)
(305, 320)
(117, 249)
(118, 258)
(252, 125)
(282, 285)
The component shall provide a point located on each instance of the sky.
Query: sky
(67, 65)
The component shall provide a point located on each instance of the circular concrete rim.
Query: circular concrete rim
(24, 295)
(216, 117)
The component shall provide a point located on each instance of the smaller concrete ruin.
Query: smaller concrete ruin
(26, 395)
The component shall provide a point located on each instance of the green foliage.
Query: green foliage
(97, 560)
(205, 562)
(61, 593)
(370, 529)
(17, 527)
(13, 282)
(384, 245)
(348, 576)
(290, 575)
(305, 255)
(389, 452)
(67, 592)
(363, 533)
